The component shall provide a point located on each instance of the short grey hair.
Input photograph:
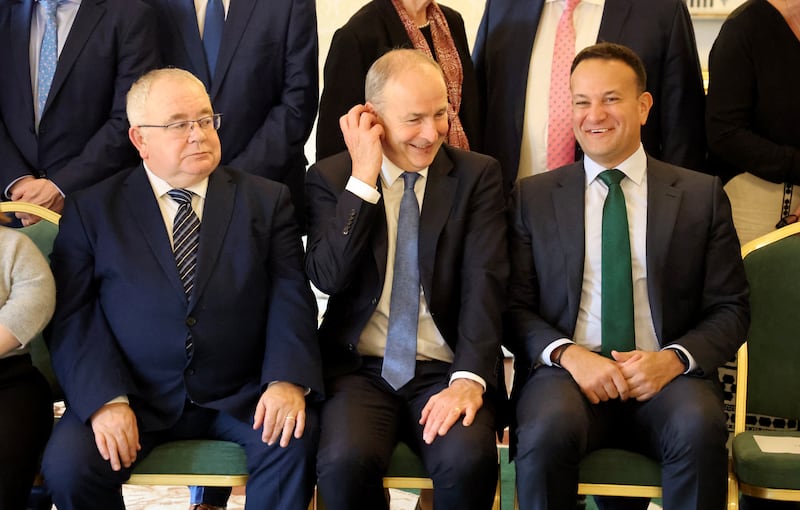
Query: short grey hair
(136, 100)
(390, 64)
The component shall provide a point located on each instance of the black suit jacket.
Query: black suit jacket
(266, 81)
(695, 278)
(372, 31)
(659, 31)
(83, 133)
(462, 253)
(122, 317)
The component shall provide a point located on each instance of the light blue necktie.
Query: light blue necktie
(399, 359)
(212, 33)
(48, 54)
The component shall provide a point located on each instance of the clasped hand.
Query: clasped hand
(635, 374)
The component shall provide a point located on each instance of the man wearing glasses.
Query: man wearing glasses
(184, 313)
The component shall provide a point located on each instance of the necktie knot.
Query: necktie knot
(50, 7)
(570, 5)
(410, 179)
(611, 177)
(180, 195)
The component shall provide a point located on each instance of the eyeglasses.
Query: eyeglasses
(184, 127)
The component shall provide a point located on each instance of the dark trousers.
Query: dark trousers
(362, 420)
(683, 426)
(26, 417)
(78, 478)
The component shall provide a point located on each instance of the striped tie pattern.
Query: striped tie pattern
(560, 139)
(185, 237)
(48, 55)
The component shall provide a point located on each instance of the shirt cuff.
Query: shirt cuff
(692, 363)
(362, 190)
(306, 389)
(463, 374)
(544, 359)
(122, 399)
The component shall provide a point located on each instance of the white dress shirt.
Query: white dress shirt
(431, 345)
(586, 19)
(588, 326)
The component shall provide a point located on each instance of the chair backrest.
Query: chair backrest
(772, 264)
(43, 234)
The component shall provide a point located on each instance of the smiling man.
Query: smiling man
(627, 292)
(183, 312)
(411, 337)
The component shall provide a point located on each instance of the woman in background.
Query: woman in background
(752, 113)
(27, 300)
(383, 25)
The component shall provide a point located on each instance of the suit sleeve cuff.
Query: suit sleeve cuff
(544, 359)
(362, 190)
(463, 374)
(692, 363)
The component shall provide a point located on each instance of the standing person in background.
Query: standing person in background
(259, 62)
(753, 107)
(27, 299)
(67, 65)
(522, 56)
(383, 25)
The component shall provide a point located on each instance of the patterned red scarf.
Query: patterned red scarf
(450, 62)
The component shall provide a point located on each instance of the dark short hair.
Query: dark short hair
(612, 51)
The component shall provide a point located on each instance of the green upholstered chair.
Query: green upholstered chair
(616, 472)
(193, 462)
(767, 371)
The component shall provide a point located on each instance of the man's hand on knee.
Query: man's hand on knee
(281, 411)
(462, 397)
(116, 434)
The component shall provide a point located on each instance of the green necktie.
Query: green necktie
(617, 284)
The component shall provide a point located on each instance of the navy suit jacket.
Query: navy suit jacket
(462, 256)
(83, 133)
(266, 82)
(659, 31)
(695, 278)
(122, 316)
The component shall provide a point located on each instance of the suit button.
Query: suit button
(346, 231)
(351, 347)
(190, 371)
(191, 321)
(374, 301)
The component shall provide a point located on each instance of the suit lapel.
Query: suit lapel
(569, 205)
(663, 205)
(21, 13)
(615, 15)
(184, 18)
(239, 15)
(143, 208)
(89, 14)
(380, 238)
(220, 199)
(440, 191)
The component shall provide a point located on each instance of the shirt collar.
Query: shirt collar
(634, 167)
(161, 187)
(601, 3)
(391, 172)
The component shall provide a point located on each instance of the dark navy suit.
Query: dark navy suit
(266, 82)
(122, 321)
(83, 133)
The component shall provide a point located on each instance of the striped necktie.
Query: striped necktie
(185, 237)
